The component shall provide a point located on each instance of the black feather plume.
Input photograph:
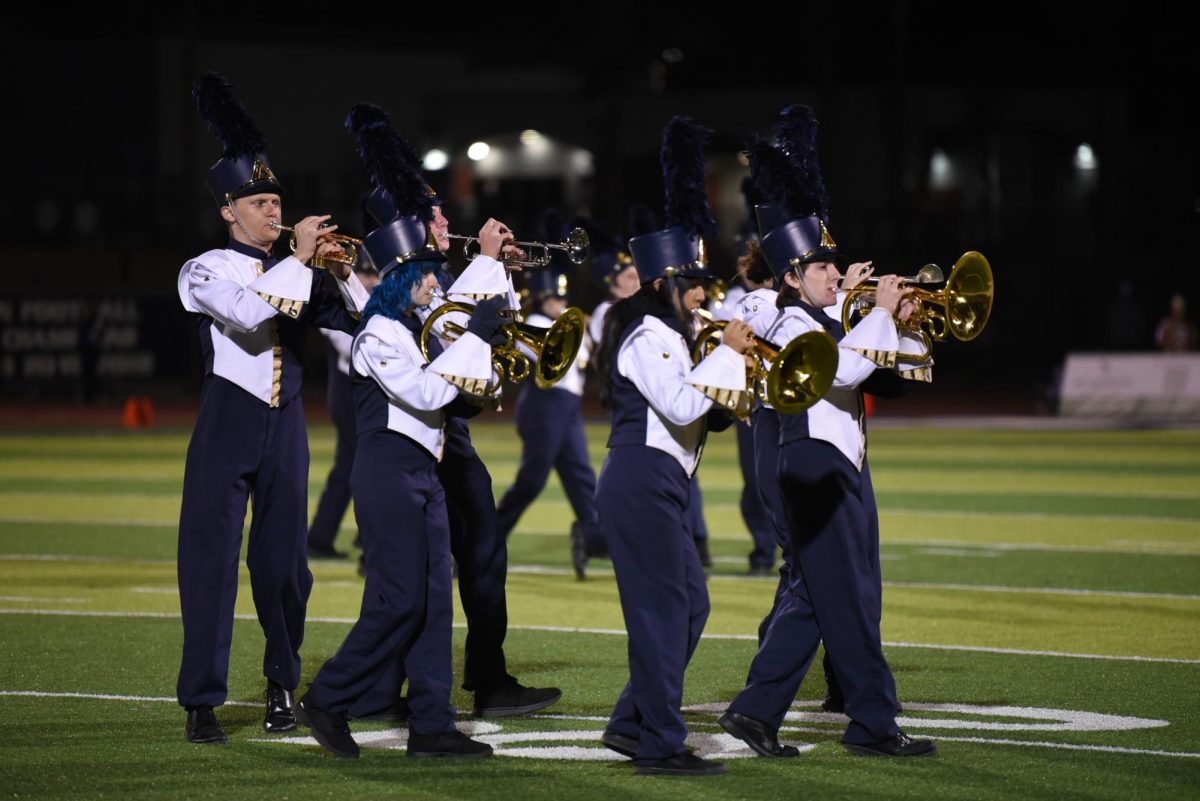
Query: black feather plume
(682, 157)
(771, 171)
(226, 118)
(640, 220)
(796, 132)
(364, 114)
(390, 170)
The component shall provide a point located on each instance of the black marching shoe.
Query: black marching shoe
(202, 726)
(686, 764)
(454, 745)
(899, 746)
(833, 702)
(623, 744)
(281, 715)
(756, 734)
(513, 699)
(328, 728)
(396, 713)
(579, 551)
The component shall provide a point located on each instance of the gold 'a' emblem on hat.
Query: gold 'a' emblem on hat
(262, 172)
(826, 239)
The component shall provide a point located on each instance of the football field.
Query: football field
(1041, 615)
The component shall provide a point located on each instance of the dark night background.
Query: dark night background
(943, 129)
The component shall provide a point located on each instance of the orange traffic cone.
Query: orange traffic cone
(131, 417)
(147, 411)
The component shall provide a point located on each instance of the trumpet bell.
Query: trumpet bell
(577, 244)
(802, 372)
(970, 292)
(559, 347)
(961, 305)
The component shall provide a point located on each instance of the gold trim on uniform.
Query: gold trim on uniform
(918, 374)
(727, 398)
(884, 358)
(276, 348)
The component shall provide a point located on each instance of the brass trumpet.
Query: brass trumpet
(576, 247)
(555, 348)
(348, 256)
(965, 300)
(791, 378)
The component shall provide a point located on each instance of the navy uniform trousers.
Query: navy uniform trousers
(766, 466)
(754, 511)
(550, 425)
(241, 448)
(336, 495)
(405, 619)
(833, 596)
(642, 495)
(482, 556)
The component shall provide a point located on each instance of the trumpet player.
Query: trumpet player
(660, 410)
(402, 406)
(833, 593)
(550, 424)
(253, 310)
(476, 543)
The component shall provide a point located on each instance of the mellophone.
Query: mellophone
(793, 377)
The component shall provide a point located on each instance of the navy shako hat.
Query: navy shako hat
(797, 242)
(397, 243)
(546, 283)
(243, 168)
(678, 249)
(401, 201)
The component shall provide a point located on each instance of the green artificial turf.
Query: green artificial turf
(1041, 616)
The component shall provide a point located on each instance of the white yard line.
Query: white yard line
(347, 621)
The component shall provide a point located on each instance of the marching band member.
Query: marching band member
(659, 406)
(400, 503)
(550, 424)
(253, 311)
(479, 549)
(833, 594)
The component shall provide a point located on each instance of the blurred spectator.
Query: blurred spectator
(1175, 332)
(1126, 322)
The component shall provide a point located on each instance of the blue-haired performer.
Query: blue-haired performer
(830, 507)
(253, 311)
(479, 549)
(399, 501)
(660, 409)
(550, 424)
